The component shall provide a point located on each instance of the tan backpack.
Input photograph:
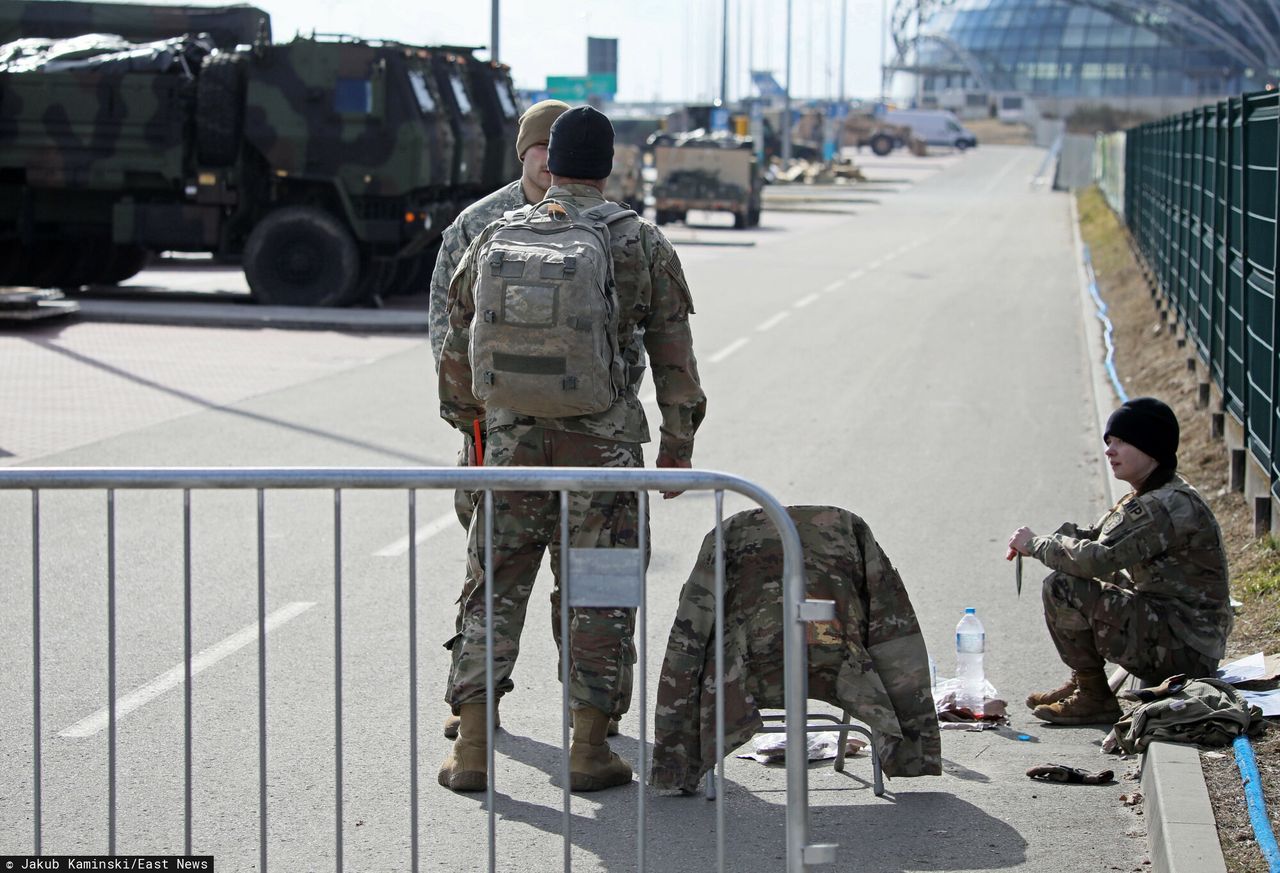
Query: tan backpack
(544, 341)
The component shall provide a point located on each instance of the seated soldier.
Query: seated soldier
(871, 660)
(1145, 587)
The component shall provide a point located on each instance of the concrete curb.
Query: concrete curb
(222, 314)
(1182, 834)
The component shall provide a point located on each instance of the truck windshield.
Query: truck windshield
(422, 91)
(504, 97)
(460, 94)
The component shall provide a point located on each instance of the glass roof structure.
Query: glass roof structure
(1091, 49)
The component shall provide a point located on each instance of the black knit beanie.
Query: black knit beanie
(581, 145)
(1147, 424)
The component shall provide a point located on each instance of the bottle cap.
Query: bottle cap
(969, 610)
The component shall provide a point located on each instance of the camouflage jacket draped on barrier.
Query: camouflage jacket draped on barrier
(654, 304)
(453, 243)
(1166, 546)
(871, 660)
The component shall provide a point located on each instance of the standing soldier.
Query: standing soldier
(531, 187)
(649, 305)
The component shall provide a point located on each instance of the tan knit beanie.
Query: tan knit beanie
(535, 124)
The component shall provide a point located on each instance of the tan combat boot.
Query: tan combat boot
(614, 724)
(592, 764)
(451, 723)
(1091, 703)
(467, 767)
(1040, 698)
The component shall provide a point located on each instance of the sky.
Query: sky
(667, 49)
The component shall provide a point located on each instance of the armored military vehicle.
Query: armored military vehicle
(328, 165)
(713, 172)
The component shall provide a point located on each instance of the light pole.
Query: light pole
(786, 98)
(724, 53)
(493, 31)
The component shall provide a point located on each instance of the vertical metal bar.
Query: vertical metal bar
(565, 648)
(337, 675)
(413, 682)
(719, 769)
(642, 626)
(35, 663)
(262, 684)
(111, 671)
(795, 658)
(490, 705)
(186, 660)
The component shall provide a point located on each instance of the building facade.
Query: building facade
(1149, 56)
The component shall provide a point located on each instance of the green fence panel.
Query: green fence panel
(1221, 160)
(1262, 114)
(1236, 393)
(1205, 219)
(1189, 224)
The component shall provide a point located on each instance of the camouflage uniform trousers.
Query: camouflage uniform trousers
(525, 525)
(1092, 621)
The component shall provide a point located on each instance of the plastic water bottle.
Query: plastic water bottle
(971, 642)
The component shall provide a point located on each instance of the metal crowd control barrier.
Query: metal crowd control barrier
(799, 852)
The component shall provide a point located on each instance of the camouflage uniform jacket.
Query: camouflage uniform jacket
(655, 305)
(871, 660)
(1166, 546)
(457, 236)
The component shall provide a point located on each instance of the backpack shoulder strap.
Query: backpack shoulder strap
(609, 213)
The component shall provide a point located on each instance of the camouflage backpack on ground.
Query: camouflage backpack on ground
(545, 337)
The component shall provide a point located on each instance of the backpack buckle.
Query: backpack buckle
(569, 383)
(570, 264)
(486, 378)
(490, 316)
(495, 263)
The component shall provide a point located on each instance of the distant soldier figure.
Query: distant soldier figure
(553, 383)
(1145, 587)
(531, 187)
(870, 660)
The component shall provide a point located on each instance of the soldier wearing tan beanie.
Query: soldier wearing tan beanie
(531, 187)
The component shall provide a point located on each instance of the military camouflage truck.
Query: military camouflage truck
(328, 166)
(625, 183)
(714, 172)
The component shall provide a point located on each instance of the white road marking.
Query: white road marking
(420, 536)
(834, 286)
(874, 265)
(857, 274)
(728, 350)
(805, 301)
(175, 676)
(773, 322)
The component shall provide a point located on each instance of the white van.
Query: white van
(935, 126)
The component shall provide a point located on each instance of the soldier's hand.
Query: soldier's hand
(672, 463)
(1021, 540)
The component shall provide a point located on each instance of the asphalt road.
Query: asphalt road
(912, 350)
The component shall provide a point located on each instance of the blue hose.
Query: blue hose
(1262, 832)
(1110, 362)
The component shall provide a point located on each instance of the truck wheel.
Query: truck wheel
(661, 216)
(741, 220)
(220, 109)
(881, 144)
(753, 217)
(301, 256)
(962, 144)
(123, 262)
